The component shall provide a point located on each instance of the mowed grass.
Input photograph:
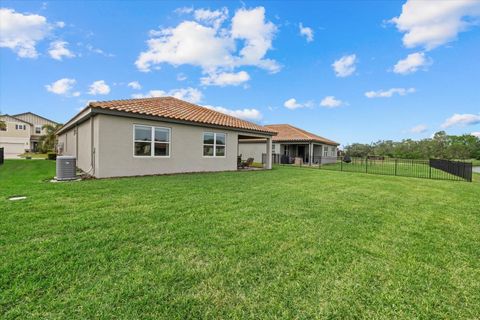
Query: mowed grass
(286, 243)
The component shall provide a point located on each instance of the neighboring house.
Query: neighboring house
(36, 131)
(155, 136)
(15, 137)
(293, 143)
(22, 133)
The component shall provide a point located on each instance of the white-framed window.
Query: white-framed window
(214, 144)
(149, 141)
(38, 129)
(20, 127)
(325, 151)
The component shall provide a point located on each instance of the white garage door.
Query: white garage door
(11, 150)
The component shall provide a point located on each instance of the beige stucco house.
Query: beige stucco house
(290, 143)
(22, 133)
(155, 136)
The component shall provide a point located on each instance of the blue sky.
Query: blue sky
(350, 71)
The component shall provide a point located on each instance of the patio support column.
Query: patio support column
(268, 161)
(310, 153)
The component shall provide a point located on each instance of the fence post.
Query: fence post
(341, 165)
(430, 170)
(366, 165)
(396, 160)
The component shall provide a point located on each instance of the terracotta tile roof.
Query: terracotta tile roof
(288, 133)
(176, 109)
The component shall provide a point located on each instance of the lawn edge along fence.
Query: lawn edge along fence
(438, 169)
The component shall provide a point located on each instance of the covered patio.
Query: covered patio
(309, 153)
(260, 146)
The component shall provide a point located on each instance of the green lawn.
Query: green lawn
(286, 243)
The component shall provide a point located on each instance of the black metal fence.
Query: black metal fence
(457, 168)
(1, 155)
(439, 169)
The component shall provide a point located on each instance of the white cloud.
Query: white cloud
(63, 87)
(345, 66)
(476, 134)
(60, 24)
(21, 32)
(98, 51)
(188, 43)
(292, 104)
(250, 26)
(213, 49)
(225, 79)
(99, 87)
(184, 10)
(181, 77)
(134, 85)
(188, 94)
(433, 23)
(421, 128)
(389, 93)
(58, 50)
(412, 63)
(246, 114)
(213, 18)
(461, 119)
(331, 102)
(306, 32)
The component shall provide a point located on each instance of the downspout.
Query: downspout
(91, 170)
(92, 148)
(75, 131)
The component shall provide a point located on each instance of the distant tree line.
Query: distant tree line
(440, 146)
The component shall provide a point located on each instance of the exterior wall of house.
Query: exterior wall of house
(84, 142)
(252, 150)
(317, 150)
(329, 154)
(115, 149)
(77, 142)
(14, 141)
(256, 149)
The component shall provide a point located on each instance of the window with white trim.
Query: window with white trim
(151, 141)
(38, 129)
(214, 144)
(20, 127)
(325, 151)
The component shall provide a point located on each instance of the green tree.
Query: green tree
(440, 146)
(49, 140)
(358, 150)
(3, 125)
